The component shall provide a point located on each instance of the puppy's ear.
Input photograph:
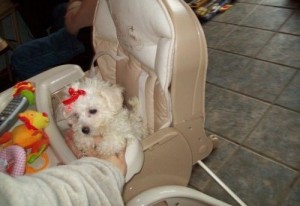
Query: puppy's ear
(114, 97)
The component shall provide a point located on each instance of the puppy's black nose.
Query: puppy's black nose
(85, 130)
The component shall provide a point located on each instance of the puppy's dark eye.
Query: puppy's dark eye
(76, 115)
(93, 111)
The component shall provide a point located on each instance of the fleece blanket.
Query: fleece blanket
(88, 181)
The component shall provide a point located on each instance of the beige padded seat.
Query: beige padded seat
(160, 56)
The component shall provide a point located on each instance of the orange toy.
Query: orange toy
(29, 135)
(19, 87)
(26, 89)
(25, 135)
(34, 120)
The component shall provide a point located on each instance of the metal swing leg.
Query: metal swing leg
(221, 183)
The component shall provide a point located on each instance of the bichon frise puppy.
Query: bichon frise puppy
(100, 122)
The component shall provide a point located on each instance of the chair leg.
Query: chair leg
(221, 183)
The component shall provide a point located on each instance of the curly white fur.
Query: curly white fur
(100, 121)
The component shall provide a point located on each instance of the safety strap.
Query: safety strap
(93, 72)
(142, 95)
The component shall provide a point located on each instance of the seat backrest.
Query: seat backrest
(165, 54)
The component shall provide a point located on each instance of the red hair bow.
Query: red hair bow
(74, 95)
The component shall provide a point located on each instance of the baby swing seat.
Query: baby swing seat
(156, 50)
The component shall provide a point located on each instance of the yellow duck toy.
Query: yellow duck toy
(25, 135)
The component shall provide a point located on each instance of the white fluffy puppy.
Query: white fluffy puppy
(95, 112)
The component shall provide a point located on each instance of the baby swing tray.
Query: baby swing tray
(47, 84)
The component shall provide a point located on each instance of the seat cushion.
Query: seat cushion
(143, 32)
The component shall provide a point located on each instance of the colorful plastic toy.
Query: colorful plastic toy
(25, 89)
(25, 135)
(28, 136)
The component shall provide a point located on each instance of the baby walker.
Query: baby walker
(156, 50)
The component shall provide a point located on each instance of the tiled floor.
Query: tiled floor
(253, 103)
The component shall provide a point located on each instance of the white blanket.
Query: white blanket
(88, 181)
